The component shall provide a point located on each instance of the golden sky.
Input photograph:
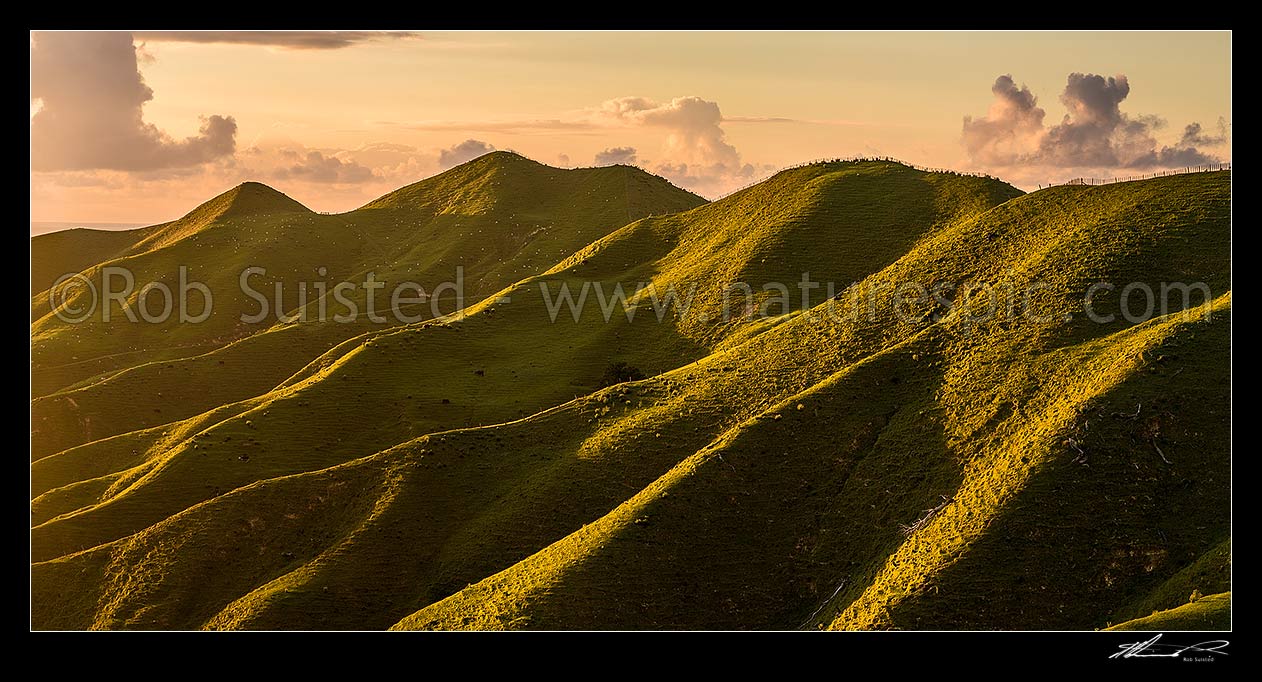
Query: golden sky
(142, 127)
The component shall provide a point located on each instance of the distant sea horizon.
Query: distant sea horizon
(44, 227)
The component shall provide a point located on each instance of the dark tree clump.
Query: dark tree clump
(618, 373)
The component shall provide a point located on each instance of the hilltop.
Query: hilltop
(70, 251)
(95, 380)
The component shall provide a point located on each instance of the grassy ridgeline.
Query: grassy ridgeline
(764, 474)
(500, 217)
(501, 362)
(1206, 613)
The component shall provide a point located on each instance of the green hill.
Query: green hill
(849, 461)
(1209, 574)
(125, 377)
(1206, 613)
(490, 363)
(69, 251)
(803, 520)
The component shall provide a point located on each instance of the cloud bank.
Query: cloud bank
(314, 166)
(1094, 133)
(88, 96)
(465, 151)
(88, 131)
(614, 156)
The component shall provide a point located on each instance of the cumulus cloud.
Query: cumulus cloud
(314, 166)
(1012, 127)
(1194, 136)
(90, 97)
(616, 155)
(465, 151)
(276, 157)
(695, 154)
(1093, 124)
(691, 124)
(1094, 133)
(294, 40)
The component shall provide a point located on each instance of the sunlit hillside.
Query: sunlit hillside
(844, 459)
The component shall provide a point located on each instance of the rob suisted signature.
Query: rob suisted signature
(1153, 648)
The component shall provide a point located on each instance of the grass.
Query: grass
(1206, 613)
(1210, 574)
(67, 251)
(378, 390)
(469, 473)
(500, 218)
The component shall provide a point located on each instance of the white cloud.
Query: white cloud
(695, 153)
(465, 151)
(613, 156)
(90, 114)
(1094, 134)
